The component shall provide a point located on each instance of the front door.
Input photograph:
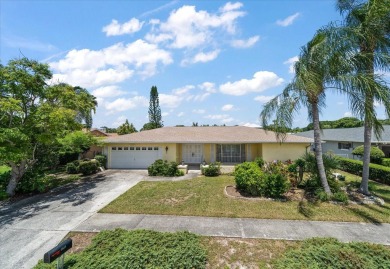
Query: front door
(192, 153)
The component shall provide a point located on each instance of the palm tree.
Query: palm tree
(367, 30)
(307, 89)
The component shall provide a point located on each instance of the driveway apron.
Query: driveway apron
(33, 226)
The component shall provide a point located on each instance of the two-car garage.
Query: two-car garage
(134, 157)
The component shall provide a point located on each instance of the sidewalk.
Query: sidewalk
(240, 227)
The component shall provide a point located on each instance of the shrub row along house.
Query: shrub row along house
(194, 145)
(343, 141)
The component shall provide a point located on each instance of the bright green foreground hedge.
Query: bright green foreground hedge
(378, 172)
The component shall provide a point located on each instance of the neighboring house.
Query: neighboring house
(193, 145)
(343, 141)
(94, 150)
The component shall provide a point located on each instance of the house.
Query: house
(94, 150)
(343, 141)
(194, 145)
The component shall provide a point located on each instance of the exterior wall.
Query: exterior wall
(207, 152)
(282, 152)
(386, 150)
(333, 147)
(92, 152)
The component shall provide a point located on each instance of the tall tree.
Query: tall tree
(126, 128)
(368, 31)
(33, 115)
(154, 109)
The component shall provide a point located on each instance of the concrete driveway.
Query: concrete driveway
(32, 226)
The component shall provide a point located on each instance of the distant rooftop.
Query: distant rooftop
(217, 134)
(348, 135)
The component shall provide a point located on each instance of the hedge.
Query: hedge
(386, 162)
(378, 172)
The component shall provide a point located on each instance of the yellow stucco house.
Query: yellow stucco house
(194, 145)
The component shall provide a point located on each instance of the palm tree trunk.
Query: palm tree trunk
(318, 149)
(367, 151)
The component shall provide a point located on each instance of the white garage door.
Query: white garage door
(134, 157)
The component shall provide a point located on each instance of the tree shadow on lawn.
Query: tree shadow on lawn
(305, 210)
(366, 216)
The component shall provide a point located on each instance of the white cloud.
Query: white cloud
(227, 107)
(108, 91)
(289, 20)
(249, 124)
(348, 114)
(169, 100)
(183, 90)
(181, 114)
(208, 87)
(188, 28)
(263, 99)
(123, 104)
(199, 111)
(164, 114)
(224, 118)
(93, 68)
(261, 81)
(239, 43)
(119, 121)
(202, 57)
(291, 62)
(115, 28)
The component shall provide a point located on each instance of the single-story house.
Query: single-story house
(194, 145)
(344, 140)
(94, 149)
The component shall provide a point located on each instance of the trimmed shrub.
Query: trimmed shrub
(71, 168)
(378, 172)
(331, 253)
(213, 170)
(102, 159)
(88, 167)
(376, 154)
(386, 162)
(275, 185)
(249, 178)
(260, 162)
(165, 169)
(138, 249)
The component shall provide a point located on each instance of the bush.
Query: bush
(377, 172)
(386, 162)
(72, 168)
(102, 159)
(275, 185)
(165, 169)
(260, 162)
(88, 167)
(249, 178)
(4, 179)
(213, 170)
(376, 154)
(340, 197)
(139, 249)
(330, 253)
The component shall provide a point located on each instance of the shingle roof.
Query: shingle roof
(349, 135)
(226, 134)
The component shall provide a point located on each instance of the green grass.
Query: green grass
(205, 197)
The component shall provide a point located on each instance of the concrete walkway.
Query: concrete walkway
(240, 227)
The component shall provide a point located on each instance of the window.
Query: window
(143, 148)
(131, 148)
(119, 148)
(137, 148)
(344, 145)
(233, 153)
(155, 148)
(126, 148)
(150, 148)
(113, 148)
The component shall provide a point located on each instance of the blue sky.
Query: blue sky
(213, 62)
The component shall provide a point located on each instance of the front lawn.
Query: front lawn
(205, 196)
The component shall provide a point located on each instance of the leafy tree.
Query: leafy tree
(126, 128)
(77, 142)
(154, 109)
(33, 115)
(368, 31)
(147, 126)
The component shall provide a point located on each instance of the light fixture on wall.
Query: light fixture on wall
(166, 149)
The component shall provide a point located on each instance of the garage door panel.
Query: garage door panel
(133, 158)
